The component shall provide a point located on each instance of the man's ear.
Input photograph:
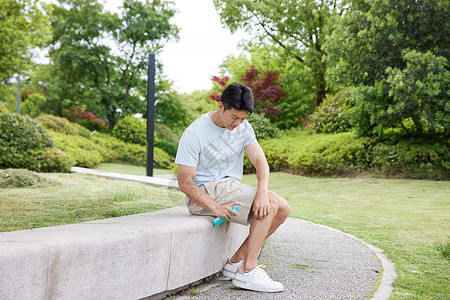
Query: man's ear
(221, 106)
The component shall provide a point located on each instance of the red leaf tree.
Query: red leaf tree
(265, 87)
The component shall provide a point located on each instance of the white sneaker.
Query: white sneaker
(230, 269)
(256, 280)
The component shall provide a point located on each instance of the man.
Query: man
(210, 166)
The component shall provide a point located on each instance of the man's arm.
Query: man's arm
(256, 155)
(187, 185)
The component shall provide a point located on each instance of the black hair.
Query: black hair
(237, 96)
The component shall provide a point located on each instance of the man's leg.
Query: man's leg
(261, 230)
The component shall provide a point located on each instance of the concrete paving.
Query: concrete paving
(311, 260)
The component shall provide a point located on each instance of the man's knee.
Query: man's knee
(280, 204)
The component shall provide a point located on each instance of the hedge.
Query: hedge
(345, 154)
(89, 149)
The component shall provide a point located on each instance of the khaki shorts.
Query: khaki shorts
(224, 191)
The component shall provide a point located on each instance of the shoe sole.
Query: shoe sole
(245, 285)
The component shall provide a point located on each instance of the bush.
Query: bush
(262, 126)
(413, 159)
(165, 133)
(88, 150)
(131, 130)
(332, 115)
(25, 144)
(62, 125)
(89, 120)
(170, 147)
(346, 154)
(3, 108)
(21, 133)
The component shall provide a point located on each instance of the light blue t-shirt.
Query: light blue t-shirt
(216, 152)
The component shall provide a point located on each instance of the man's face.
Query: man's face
(232, 118)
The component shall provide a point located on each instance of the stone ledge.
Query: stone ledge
(129, 257)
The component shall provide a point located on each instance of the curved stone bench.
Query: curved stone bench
(129, 257)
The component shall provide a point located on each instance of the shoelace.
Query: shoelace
(260, 270)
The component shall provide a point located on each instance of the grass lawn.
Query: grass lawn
(129, 169)
(408, 219)
(78, 198)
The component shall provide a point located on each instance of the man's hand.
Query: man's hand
(225, 211)
(261, 207)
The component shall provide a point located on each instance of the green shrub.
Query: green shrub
(413, 159)
(344, 154)
(262, 126)
(92, 149)
(131, 130)
(3, 108)
(170, 147)
(33, 105)
(21, 133)
(165, 133)
(321, 154)
(62, 125)
(332, 115)
(25, 144)
(17, 178)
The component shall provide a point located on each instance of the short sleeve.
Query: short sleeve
(250, 137)
(188, 150)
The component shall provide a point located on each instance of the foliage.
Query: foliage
(421, 159)
(346, 154)
(297, 29)
(295, 80)
(262, 126)
(88, 150)
(332, 115)
(163, 132)
(131, 130)
(23, 26)
(198, 103)
(421, 92)
(417, 95)
(396, 52)
(171, 111)
(62, 125)
(33, 105)
(18, 178)
(88, 72)
(3, 108)
(21, 133)
(373, 35)
(88, 120)
(25, 144)
(266, 90)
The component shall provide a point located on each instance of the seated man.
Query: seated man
(210, 166)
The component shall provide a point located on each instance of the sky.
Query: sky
(203, 45)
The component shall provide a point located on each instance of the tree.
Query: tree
(23, 26)
(297, 28)
(295, 79)
(397, 53)
(420, 92)
(93, 74)
(372, 36)
(265, 88)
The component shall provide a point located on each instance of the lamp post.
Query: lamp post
(18, 95)
(150, 113)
